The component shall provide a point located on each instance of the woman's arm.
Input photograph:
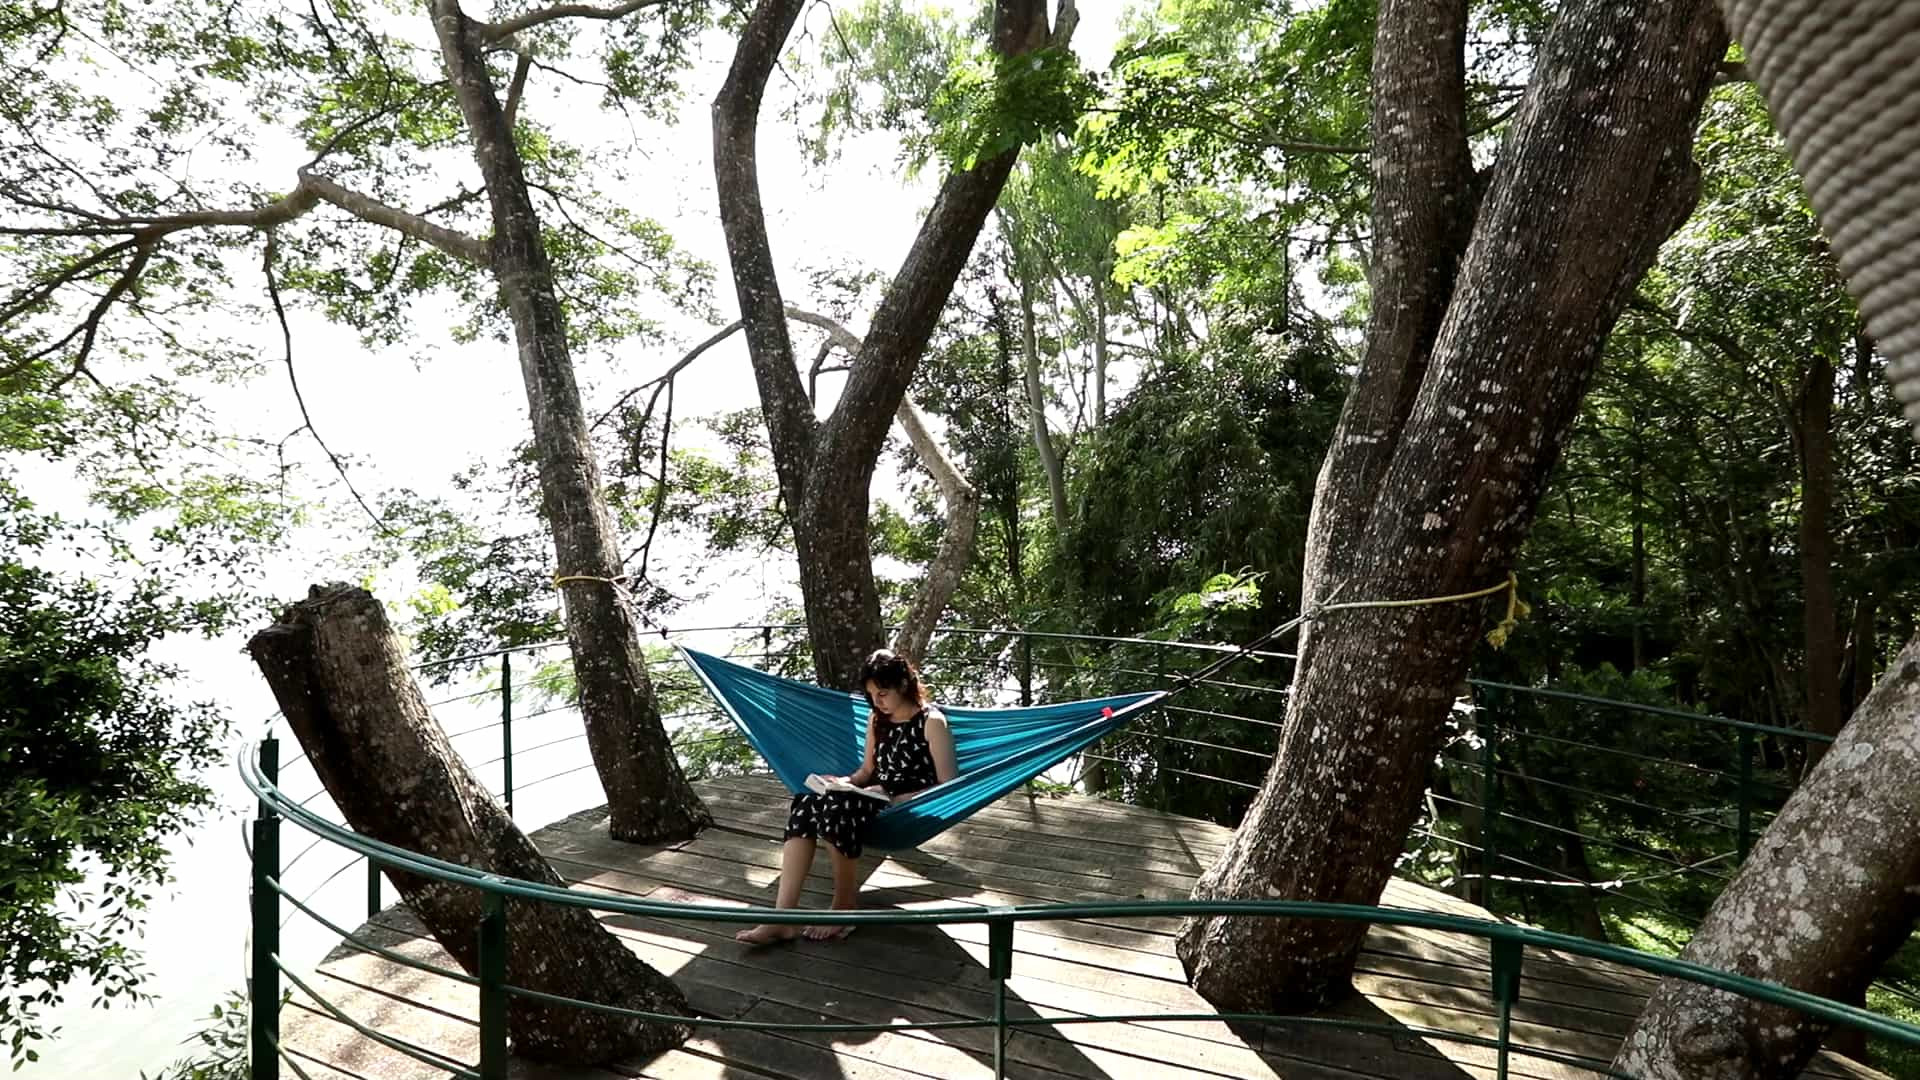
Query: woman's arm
(940, 742)
(863, 776)
(940, 745)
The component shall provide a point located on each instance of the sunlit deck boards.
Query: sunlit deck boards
(1014, 852)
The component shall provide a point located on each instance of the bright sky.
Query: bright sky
(412, 422)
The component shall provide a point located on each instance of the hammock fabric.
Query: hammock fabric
(800, 728)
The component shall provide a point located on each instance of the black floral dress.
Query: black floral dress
(904, 764)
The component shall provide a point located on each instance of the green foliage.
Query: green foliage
(98, 773)
(222, 1044)
(1008, 103)
(1208, 466)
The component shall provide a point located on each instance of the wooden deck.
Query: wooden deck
(1017, 851)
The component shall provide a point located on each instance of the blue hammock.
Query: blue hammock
(800, 728)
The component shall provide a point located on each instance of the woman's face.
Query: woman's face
(887, 699)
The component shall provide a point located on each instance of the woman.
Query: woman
(909, 749)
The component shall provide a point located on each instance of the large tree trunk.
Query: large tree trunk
(961, 499)
(1596, 173)
(648, 797)
(1825, 897)
(826, 469)
(340, 676)
(1820, 618)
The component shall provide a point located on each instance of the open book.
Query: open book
(821, 785)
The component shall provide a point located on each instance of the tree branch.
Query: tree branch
(962, 500)
(455, 243)
(679, 366)
(850, 440)
(791, 428)
(306, 418)
(491, 33)
(518, 86)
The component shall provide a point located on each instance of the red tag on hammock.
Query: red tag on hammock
(1107, 712)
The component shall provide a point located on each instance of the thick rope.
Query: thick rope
(1517, 609)
(1841, 80)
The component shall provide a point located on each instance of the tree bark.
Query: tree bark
(1422, 215)
(961, 499)
(1825, 897)
(956, 540)
(1820, 614)
(339, 674)
(648, 797)
(1439, 464)
(826, 469)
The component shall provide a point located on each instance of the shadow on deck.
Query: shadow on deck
(1017, 851)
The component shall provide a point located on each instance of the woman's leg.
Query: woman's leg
(846, 895)
(796, 858)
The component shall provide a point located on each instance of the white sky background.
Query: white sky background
(409, 417)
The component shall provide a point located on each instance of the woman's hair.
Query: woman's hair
(886, 668)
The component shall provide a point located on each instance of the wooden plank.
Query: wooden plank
(1069, 817)
(1013, 852)
(1046, 823)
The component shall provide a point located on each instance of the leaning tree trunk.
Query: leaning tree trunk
(826, 469)
(962, 501)
(648, 797)
(340, 676)
(1595, 174)
(1825, 897)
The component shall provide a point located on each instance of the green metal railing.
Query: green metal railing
(260, 770)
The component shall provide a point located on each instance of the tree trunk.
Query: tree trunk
(826, 469)
(1825, 897)
(1100, 346)
(956, 540)
(1037, 405)
(961, 499)
(1439, 465)
(1820, 618)
(340, 676)
(648, 797)
(1863, 644)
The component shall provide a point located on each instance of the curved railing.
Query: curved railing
(1508, 943)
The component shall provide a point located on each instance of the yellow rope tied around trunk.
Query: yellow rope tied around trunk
(1517, 608)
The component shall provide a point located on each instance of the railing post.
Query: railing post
(1489, 801)
(1026, 692)
(264, 1020)
(506, 729)
(999, 968)
(1507, 958)
(766, 643)
(493, 984)
(373, 887)
(1746, 792)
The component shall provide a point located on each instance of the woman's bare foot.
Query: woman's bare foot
(832, 932)
(768, 934)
